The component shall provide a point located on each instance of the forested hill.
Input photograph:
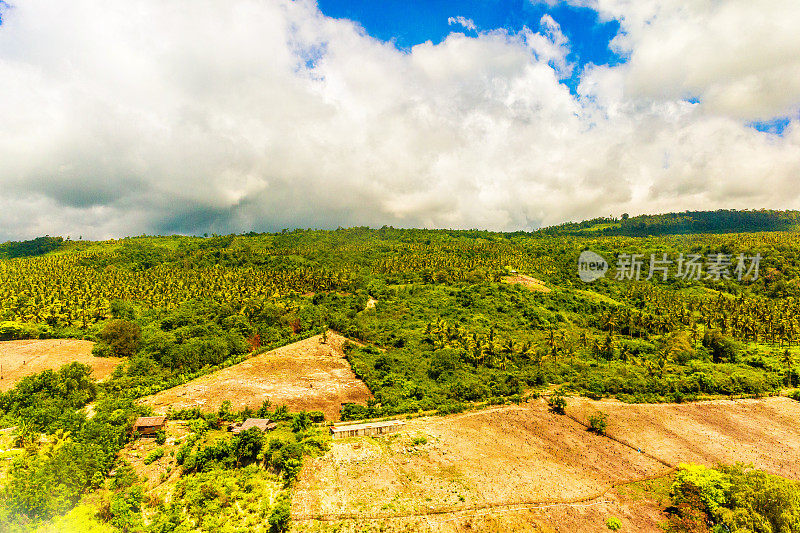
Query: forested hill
(720, 221)
(37, 246)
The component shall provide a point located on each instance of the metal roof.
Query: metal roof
(351, 427)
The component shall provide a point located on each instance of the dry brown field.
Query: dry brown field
(304, 376)
(522, 468)
(26, 357)
(527, 281)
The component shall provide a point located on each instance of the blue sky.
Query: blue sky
(409, 23)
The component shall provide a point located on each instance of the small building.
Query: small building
(369, 429)
(148, 426)
(263, 424)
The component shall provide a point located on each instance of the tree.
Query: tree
(788, 361)
(122, 336)
(301, 422)
(247, 445)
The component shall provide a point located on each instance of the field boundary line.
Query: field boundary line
(633, 447)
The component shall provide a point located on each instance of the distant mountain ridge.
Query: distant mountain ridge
(687, 222)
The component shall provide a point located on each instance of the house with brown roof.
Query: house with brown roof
(263, 424)
(147, 426)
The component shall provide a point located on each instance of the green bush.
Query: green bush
(155, 455)
(198, 426)
(598, 423)
(300, 422)
(557, 403)
(280, 517)
(613, 523)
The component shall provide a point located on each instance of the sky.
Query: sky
(193, 116)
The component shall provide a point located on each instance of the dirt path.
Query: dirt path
(27, 357)
(304, 376)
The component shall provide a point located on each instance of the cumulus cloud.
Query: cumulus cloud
(192, 116)
(738, 57)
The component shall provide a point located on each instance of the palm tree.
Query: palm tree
(507, 352)
(788, 360)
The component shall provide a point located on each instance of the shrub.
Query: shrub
(352, 411)
(598, 423)
(247, 445)
(153, 456)
(451, 408)
(101, 349)
(613, 523)
(280, 517)
(183, 452)
(282, 413)
(198, 425)
(557, 403)
(722, 348)
(161, 437)
(225, 412)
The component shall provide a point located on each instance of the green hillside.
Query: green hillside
(688, 222)
(449, 330)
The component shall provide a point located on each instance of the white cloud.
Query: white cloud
(462, 21)
(196, 116)
(739, 57)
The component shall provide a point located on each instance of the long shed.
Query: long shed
(375, 429)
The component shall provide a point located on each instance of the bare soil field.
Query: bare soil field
(527, 281)
(24, 358)
(764, 432)
(522, 468)
(503, 469)
(306, 375)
